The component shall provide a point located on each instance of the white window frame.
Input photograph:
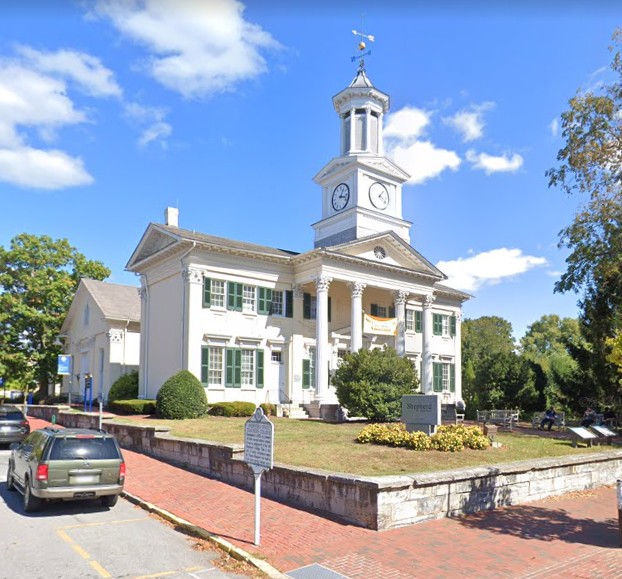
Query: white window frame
(212, 370)
(276, 357)
(278, 300)
(218, 293)
(249, 298)
(247, 370)
(410, 320)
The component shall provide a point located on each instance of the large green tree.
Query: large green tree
(590, 166)
(38, 279)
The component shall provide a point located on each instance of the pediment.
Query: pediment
(154, 241)
(388, 249)
(379, 165)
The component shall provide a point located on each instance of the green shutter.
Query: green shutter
(238, 296)
(204, 364)
(237, 367)
(289, 304)
(391, 311)
(438, 377)
(231, 295)
(265, 300)
(207, 292)
(306, 306)
(229, 375)
(437, 324)
(374, 310)
(329, 308)
(418, 323)
(452, 378)
(452, 325)
(306, 373)
(259, 369)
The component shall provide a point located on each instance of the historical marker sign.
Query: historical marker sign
(259, 441)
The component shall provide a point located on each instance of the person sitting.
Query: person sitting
(549, 418)
(589, 417)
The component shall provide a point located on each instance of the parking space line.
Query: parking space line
(165, 573)
(83, 553)
(103, 572)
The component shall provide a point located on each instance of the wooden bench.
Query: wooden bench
(450, 414)
(505, 419)
(560, 419)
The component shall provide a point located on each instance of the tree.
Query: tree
(371, 383)
(590, 165)
(38, 279)
(483, 339)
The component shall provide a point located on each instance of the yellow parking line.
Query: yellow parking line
(165, 573)
(100, 569)
(83, 553)
(105, 523)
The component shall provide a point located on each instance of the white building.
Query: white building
(261, 324)
(102, 334)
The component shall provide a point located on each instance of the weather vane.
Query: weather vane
(362, 46)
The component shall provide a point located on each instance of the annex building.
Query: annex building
(261, 324)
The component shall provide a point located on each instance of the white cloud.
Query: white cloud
(85, 70)
(28, 167)
(492, 164)
(421, 159)
(488, 268)
(30, 99)
(406, 124)
(469, 123)
(153, 117)
(196, 47)
(554, 127)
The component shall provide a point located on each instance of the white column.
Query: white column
(143, 367)
(458, 356)
(321, 337)
(400, 313)
(352, 129)
(356, 316)
(426, 355)
(367, 129)
(191, 348)
(380, 143)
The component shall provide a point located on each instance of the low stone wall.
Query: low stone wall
(378, 503)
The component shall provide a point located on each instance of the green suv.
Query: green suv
(66, 464)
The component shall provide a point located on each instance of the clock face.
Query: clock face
(341, 196)
(378, 195)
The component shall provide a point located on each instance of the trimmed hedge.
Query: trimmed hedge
(181, 396)
(229, 409)
(124, 388)
(132, 406)
(268, 409)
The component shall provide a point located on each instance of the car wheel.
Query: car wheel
(110, 500)
(31, 503)
(10, 483)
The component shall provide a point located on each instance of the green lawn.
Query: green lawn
(332, 447)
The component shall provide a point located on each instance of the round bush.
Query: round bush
(124, 388)
(181, 396)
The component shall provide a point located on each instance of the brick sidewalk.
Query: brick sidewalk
(575, 535)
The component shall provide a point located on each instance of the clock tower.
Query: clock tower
(361, 189)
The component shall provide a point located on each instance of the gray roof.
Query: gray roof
(361, 80)
(117, 302)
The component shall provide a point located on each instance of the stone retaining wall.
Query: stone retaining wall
(378, 503)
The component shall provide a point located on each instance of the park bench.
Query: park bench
(505, 419)
(450, 414)
(560, 419)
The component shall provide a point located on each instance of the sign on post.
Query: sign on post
(421, 412)
(258, 454)
(64, 365)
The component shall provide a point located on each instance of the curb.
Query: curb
(196, 531)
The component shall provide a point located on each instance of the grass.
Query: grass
(332, 447)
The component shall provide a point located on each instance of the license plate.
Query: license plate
(83, 479)
(5, 428)
(84, 495)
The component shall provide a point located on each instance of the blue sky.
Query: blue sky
(111, 111)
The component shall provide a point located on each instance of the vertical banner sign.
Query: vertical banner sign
(258, 454)
(64, 365)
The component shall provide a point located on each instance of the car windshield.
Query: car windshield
(10, 415)
(97, 448)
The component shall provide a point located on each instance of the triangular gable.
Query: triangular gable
(378, 164)
(153, 241)
(388, 249)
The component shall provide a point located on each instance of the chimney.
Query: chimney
(171, 217)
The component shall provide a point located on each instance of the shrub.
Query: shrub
(232, 409)
(447, 438)
(133, 406)
(371, 383)
(268, 409)
(181, 396)
(124, 388)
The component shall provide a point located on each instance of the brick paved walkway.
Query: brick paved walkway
(575, 536)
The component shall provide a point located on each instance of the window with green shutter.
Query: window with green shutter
(204, 364)
(207, 292)
(265, 300)
(452, 378)
(452, 326)
(234, 296)
(289, 304)
(306, 306)
(259, 369)
(233, 377)
(306, 374)
(418, 321)
(437, 324)
(437, 377)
